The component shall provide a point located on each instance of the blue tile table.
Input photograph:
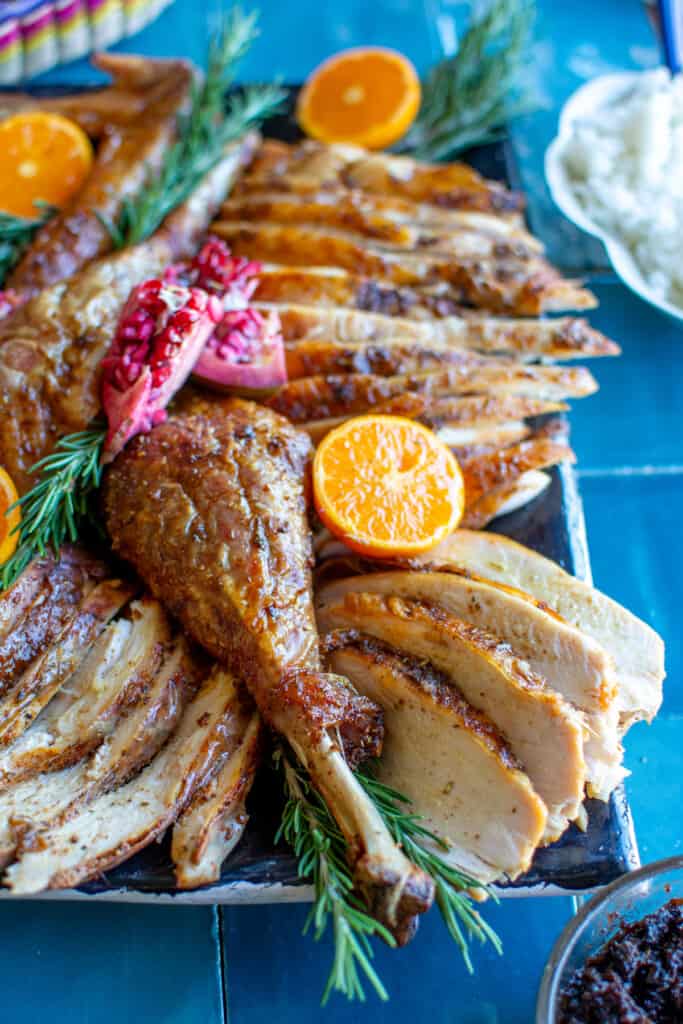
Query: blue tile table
(104, 964)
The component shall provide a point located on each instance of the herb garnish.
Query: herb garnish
(56, 508)
(61, 502)
(469, 97)
(15, 235)
(309, 828)
(202, 134)
(422, 848)
(320, 848)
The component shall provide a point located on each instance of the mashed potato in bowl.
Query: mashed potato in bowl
(622, 161)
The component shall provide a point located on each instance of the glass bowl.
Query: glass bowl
(628, 899)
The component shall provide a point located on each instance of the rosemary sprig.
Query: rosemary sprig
(469, 97)
(320, 849)
(16, 233)
(54, 510)
(422, 847)
(202, 134)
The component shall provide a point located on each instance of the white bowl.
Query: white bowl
(597, 93)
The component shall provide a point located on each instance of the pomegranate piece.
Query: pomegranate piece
(245, 354)
(162, 330)
(214, 269)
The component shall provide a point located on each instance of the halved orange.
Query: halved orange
(368, 96)
(8, 523)
(387, 486)
(44, 156)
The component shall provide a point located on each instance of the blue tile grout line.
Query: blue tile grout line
(223, 961)
(628, 471)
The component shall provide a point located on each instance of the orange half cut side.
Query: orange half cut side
(368, 96)
(8, 522)
(44, 157)
(387, 486)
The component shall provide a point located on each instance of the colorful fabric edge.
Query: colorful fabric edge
(42, 34)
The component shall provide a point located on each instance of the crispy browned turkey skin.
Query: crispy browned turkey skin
(210, 509)
(312, 166)
(51, 349)
(127, 153)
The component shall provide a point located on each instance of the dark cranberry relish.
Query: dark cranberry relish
(636, 978)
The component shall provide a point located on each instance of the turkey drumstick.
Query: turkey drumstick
(210, 509)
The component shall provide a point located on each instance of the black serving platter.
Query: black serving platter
(260, 871)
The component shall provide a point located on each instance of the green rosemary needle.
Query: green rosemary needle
(320, 849)
(468, 98)
(15, 235)
(202, 134)
(309, 828)
(61, 502)
(424, 849)
(55, 509)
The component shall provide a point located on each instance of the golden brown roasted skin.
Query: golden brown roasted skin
(225, 491)
(332, 286)
(51, 348)
(314, 356)
(310, 166)
(62, 585)
(127, 153)
(377, 219)
(560, 338)
(347, 394)
(123, 100)
(489, 474)
(508, 285)
(210, 509)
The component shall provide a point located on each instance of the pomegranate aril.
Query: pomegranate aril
(160, 374)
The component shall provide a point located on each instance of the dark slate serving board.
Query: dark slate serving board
(258, 870)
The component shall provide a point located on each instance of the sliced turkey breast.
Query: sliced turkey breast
(313, 166)
(471, 437)
(47, 745)
(28, 806)
(311, 356)
(392, 222)
(524, 287)
(480, 438)
(461, 246)
(318, 397)
(212, 824)
(489, 476)
(526, 488)
(146, 727)
(571, 663)
(121, 664)
(542, 729)
(18, 599)
(118, 824)
(383, 210)
(46, 674)
(561, 338)
(42, 602)
(446, 758)
(435, 308)
(636, 649)
(463, 414)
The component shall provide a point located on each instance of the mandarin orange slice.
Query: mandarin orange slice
(387, 486)
(368, 96)
(8, 522)
(44, 156)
